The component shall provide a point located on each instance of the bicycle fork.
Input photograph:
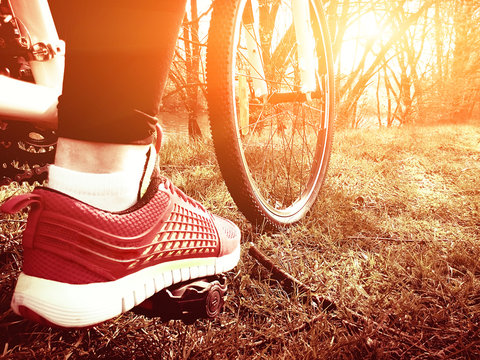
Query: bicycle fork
(305, 42)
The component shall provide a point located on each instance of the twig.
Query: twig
(192, 42)
(287, 281)
(205, 13)
(391, 239)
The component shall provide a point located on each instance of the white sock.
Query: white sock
(112, 192)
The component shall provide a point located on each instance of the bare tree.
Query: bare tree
(187, 73)
(377, 52)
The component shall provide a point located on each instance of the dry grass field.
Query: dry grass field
(393, 241)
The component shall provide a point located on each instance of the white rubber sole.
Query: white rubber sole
(76, 306)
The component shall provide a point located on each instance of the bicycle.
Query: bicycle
(270, 97)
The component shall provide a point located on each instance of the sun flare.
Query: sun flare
(362, 32)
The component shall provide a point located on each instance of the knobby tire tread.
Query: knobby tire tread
(219, 70)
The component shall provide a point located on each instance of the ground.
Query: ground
(393, 242)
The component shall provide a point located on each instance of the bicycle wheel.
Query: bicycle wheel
(273, 150)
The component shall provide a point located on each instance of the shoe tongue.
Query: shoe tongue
(152, 162)
(150, 165)
(162, 184)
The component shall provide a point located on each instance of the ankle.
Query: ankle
(111, 192)
(107, 176)
(99, 158)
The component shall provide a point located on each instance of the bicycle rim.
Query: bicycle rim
(273, 149)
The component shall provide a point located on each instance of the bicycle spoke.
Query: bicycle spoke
(282, 133)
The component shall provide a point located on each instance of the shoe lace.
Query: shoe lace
(175, 190)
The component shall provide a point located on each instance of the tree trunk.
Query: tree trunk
(192, 57)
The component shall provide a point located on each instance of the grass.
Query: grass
(393, 240)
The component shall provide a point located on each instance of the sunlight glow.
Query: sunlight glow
(366, 29)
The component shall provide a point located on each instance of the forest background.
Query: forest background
(392, 240)
(397, 62)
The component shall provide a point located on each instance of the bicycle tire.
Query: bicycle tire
(266, 190)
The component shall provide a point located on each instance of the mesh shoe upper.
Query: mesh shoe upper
(69, 241)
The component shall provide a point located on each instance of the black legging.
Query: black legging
(117, 61)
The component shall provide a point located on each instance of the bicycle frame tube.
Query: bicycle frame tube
(37, 102)
(252, 35)
(305, 45)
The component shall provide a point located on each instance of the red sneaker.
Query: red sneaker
(83, 265)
